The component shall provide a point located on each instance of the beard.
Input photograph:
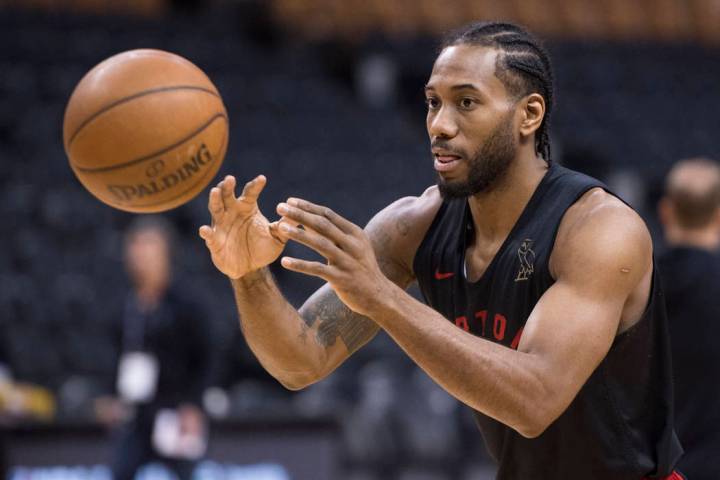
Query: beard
(489, 164)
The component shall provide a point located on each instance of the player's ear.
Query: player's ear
(533, 112)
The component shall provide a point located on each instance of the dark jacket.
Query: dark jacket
(691, 279)
(177, 334)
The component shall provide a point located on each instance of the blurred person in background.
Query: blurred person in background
(164, 362)
(690, 215)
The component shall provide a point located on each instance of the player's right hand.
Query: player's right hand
(240, 239)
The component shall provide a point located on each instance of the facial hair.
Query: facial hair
(489, 164)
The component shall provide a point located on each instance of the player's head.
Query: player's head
(148, 251)
(489, 94)
(690, 207)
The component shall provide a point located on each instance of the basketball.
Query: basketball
(145, 131)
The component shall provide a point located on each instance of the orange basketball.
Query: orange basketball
(145, 131)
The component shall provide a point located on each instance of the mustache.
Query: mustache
(443, 145)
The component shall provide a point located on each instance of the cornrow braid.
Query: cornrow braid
(523, 66)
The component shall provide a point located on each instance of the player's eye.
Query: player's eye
(432, 103)
(467, 102)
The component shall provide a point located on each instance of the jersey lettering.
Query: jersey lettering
(499, 326)
(499, 323)
(462, 323)
(516, 340)
(482, 315)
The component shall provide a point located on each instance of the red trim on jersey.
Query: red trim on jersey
(673, 476)
(442, 276)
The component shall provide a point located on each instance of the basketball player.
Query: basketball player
(690, 269)
(544, 311)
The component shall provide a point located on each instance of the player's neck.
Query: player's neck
(496, 211)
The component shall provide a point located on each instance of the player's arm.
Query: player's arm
(603, 257)
(300, 347)
(296, 347)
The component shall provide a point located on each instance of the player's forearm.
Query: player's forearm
(275, 331)
(502, 383)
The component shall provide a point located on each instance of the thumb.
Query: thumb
(277, 234)
(205, 232)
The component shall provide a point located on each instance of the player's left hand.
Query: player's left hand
(351, 270)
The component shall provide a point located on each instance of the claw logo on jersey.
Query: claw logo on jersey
(527, 260)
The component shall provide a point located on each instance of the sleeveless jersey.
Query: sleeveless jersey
(620, 424)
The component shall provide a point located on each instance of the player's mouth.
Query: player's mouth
(445, 161)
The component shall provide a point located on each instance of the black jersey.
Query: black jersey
(620, 424)
(691, 280)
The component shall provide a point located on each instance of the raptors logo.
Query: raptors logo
(527, 260)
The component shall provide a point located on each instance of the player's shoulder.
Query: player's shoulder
(602, 212)
(412, 213)
(599, 224)
(400, 227)
(425, 204)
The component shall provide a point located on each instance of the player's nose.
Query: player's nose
(442, 124)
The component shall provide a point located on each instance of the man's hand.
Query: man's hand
(352, 269)
(241, 239)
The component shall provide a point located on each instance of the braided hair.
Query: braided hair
(523, 65)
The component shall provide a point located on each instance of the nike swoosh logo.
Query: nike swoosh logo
(442, 276)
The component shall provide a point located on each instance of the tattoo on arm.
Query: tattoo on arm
(333, 319)
(330, 318)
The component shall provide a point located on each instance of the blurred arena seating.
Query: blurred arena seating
(337, 123)
(678, 20)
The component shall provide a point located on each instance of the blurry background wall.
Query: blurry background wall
(325, 98)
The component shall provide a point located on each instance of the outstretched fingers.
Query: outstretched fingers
(321, 220)
(215, 205)
(321, 244)
(343, 224)
(222, 197)
(316, 269)
(251, 190)
(227, 191)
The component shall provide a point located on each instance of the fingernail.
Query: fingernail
(285, 227)
(292, 201)
(282, 208)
